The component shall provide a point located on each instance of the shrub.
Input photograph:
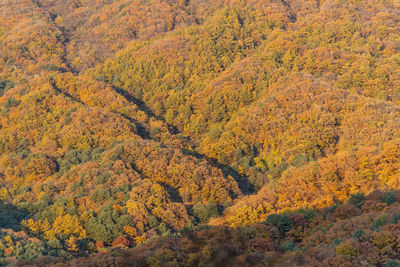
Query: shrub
(391, 263)
(281, 221)
(388, 198)
(357, 200)
(337, 241)
(309, 214)
(358, 233)
(380, 221)
(395, 218)
(288, 246)
(346, 249)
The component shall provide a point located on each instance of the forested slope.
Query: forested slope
(132, 123)
(361, 232)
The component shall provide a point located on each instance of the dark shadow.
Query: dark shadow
(58, 90)
(244, 185)
(141, 130)
(130, 98)
(11, 216)
(173, 193)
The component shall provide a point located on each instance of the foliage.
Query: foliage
(327, 239)
(282, 222)
(126, 124)
(357, 200)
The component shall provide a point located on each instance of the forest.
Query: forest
(200, 133)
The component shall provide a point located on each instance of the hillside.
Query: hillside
(364, 231)
(150, 125)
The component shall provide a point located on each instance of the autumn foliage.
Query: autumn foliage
(193, 132)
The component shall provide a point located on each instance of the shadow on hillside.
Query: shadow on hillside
(245, 186)
(11, 216)
(243, 182)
